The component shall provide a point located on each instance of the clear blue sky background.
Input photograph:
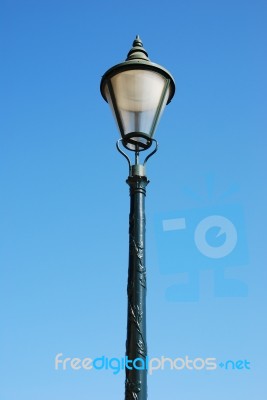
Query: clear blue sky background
(64, 201)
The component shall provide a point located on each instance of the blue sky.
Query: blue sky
(64, 201)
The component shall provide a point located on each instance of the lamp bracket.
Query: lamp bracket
(136, 169)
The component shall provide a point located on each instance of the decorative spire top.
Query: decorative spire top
(137, 51)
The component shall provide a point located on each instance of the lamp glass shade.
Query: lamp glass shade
(137, 98)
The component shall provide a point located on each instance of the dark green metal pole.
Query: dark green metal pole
(136, 347)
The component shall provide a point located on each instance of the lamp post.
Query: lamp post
(137, 91)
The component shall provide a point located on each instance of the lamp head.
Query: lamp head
(137, 91)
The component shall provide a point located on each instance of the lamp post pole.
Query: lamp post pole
(136, 346)
(137, 91)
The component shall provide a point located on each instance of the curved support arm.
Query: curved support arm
(124, 154)
(153, 152)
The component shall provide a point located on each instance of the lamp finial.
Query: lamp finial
(137, 51)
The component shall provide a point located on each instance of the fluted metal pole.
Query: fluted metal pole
(136, 347)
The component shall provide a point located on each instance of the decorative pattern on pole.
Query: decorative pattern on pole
(136, 347)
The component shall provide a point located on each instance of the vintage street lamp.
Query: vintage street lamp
(137, 91)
